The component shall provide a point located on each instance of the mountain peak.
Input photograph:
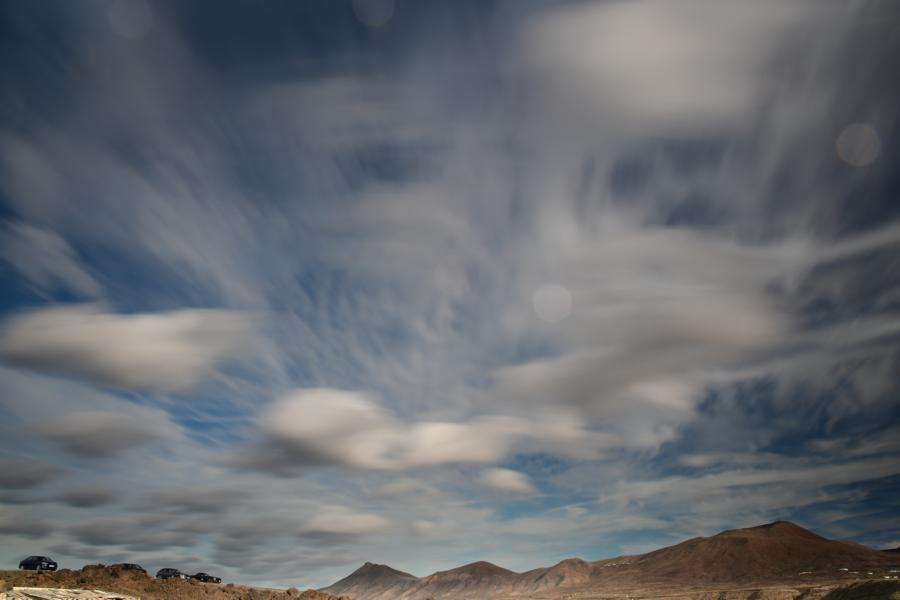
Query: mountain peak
(369, 576)
(773, 529)
(482, 567)
(477, 571)
(772, 552)
(371, 569)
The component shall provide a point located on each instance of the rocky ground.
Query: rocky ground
(147, 587)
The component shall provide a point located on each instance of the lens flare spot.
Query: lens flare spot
(858, 145)
(552, 303)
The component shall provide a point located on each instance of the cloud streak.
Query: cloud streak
(516, 284)
(165, 351)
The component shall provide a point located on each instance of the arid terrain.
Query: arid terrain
(776, 561)
(147, 587)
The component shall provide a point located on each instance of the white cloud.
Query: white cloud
(338, 520)
(507, 480)
(310, 427)
(659, 311)
(661, 65)
(159, 351)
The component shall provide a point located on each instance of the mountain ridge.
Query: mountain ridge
(780, 551)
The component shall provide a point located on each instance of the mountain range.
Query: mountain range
(779, 552)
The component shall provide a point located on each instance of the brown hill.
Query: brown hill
(134, 583)
(571, 572)
(478, 579)
(776, 553)
(371, 580)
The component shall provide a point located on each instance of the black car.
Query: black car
(130, 567)
(206, 578)
(170, 574)
(38, 563)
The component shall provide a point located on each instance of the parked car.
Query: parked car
(38, 563)
(130, 567)
(170, 574)
(206, 578)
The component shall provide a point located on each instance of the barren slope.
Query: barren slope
(149, 588)
(752, 558)
(371, 580)
(777, 551)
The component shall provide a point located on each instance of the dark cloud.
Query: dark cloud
(20, 522)
(136, 533)
(100, 434)
(200, 500)
(18, 475)
(88, 497)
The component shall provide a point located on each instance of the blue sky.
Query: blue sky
(292, 286)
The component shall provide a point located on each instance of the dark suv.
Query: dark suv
(130, 567)
(38, 563)
(170, 574)
(206, 578)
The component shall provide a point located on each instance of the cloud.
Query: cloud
(88, 497)
(340, 521)
(688, 66)
(660, 311)
(102, 434)
(762, 490)
(399, 227)
(507, 480)
(46, 260)
(134, 532)
(21, 523)
(200, 499)
(20, 475)
(326, 427)
(158, 351)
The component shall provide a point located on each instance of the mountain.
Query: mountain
(373, 581)
(380, 582)
(776, 551)
(468, 581)
(571, 572)
(779, 552)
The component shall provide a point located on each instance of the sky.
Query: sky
(292, 285)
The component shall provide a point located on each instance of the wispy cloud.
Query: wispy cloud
(450, 285)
